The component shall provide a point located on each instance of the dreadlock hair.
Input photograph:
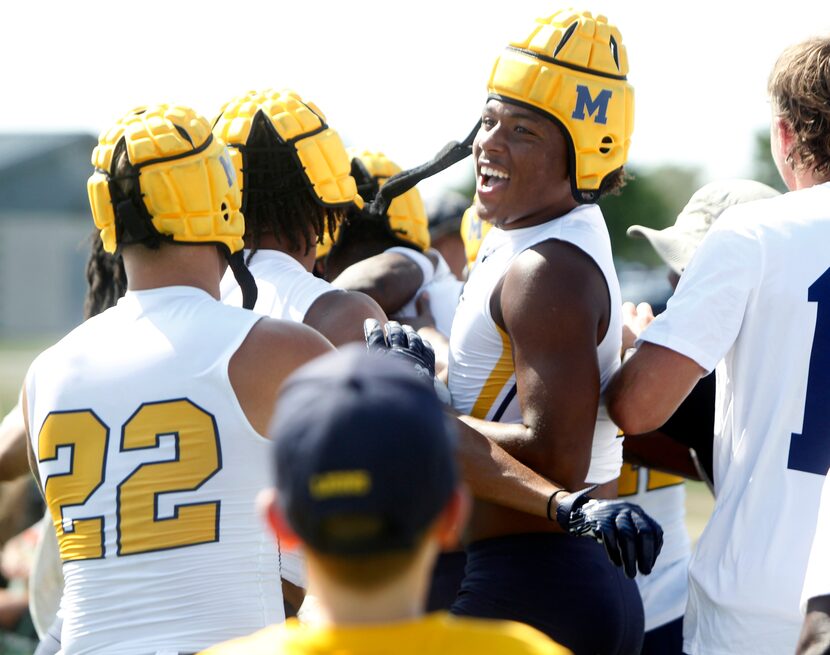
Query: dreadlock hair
(105, 276)
(278, 197)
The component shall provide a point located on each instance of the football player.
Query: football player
(752, 303)
(536, 335)
(295, 181)
(147, 421)
(375, 253)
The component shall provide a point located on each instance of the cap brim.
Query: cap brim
(674, 247)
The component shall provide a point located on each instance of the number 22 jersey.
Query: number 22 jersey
(150, 470)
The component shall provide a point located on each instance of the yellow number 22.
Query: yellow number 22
(139, 527)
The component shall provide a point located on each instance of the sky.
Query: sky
(400, 77)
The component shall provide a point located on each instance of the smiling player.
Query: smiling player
(536, 335)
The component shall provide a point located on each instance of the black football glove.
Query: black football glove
(631, 537)
(402, 343)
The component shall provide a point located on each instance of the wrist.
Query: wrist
(551, 499)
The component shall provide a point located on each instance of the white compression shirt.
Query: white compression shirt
(482, 380)
(151, 470)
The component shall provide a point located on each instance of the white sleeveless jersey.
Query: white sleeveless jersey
(151, 469)
(443, 287)
(285, 289)
(663, 497)
(756, 298)
(482, 380)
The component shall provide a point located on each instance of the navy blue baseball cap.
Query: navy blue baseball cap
(364, 454)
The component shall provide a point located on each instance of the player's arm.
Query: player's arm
(30, 453)
(14, 461)
(658, 451)
(815, 633)
(272, 351)
(339, 315)
(554, 306)
(390, 278)
(649, 388)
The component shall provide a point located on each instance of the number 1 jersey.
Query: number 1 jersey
(755, 302)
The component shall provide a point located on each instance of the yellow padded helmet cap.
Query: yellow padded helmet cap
(473, 231)
(186, 188)
(317, 148)
(406, 216)
(572, 67)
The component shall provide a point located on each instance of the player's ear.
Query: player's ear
(272, 514)
(452, 520)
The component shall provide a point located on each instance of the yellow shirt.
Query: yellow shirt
(432, 634)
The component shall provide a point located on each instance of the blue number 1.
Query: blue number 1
(810, 450)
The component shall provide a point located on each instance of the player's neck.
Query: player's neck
(196, 266)
(268, 241)
(403, 599)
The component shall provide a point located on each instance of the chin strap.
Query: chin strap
(397, 185)
(244, 279)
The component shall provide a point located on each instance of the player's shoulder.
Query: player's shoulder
(80, 340)
(282, 337)
(497, 637)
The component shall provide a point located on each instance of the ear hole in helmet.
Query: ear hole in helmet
(184, 133)
(606, 148)
(567, 35)
(615, 51)
(225, 213)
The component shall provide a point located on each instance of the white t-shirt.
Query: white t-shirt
(817, 579)
(754, 302)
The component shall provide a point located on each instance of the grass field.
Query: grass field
(15, 357)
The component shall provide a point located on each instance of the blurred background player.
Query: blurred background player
(349, 487)
(473, 231)
(652, 480)
(445, 212)
(388, 256)
(536, 335)
(296, 187)
(146, 421)
(752, 303)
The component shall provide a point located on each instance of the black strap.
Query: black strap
(244, 279)
(397, 185)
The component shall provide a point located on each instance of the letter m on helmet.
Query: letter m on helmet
(598, 105)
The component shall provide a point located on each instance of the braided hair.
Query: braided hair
(105, 276)
(279, 200)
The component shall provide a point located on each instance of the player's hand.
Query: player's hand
(401, 342)
(631, 537)
(635, 320)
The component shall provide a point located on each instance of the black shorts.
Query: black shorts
(564, 586)
(447, 575)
